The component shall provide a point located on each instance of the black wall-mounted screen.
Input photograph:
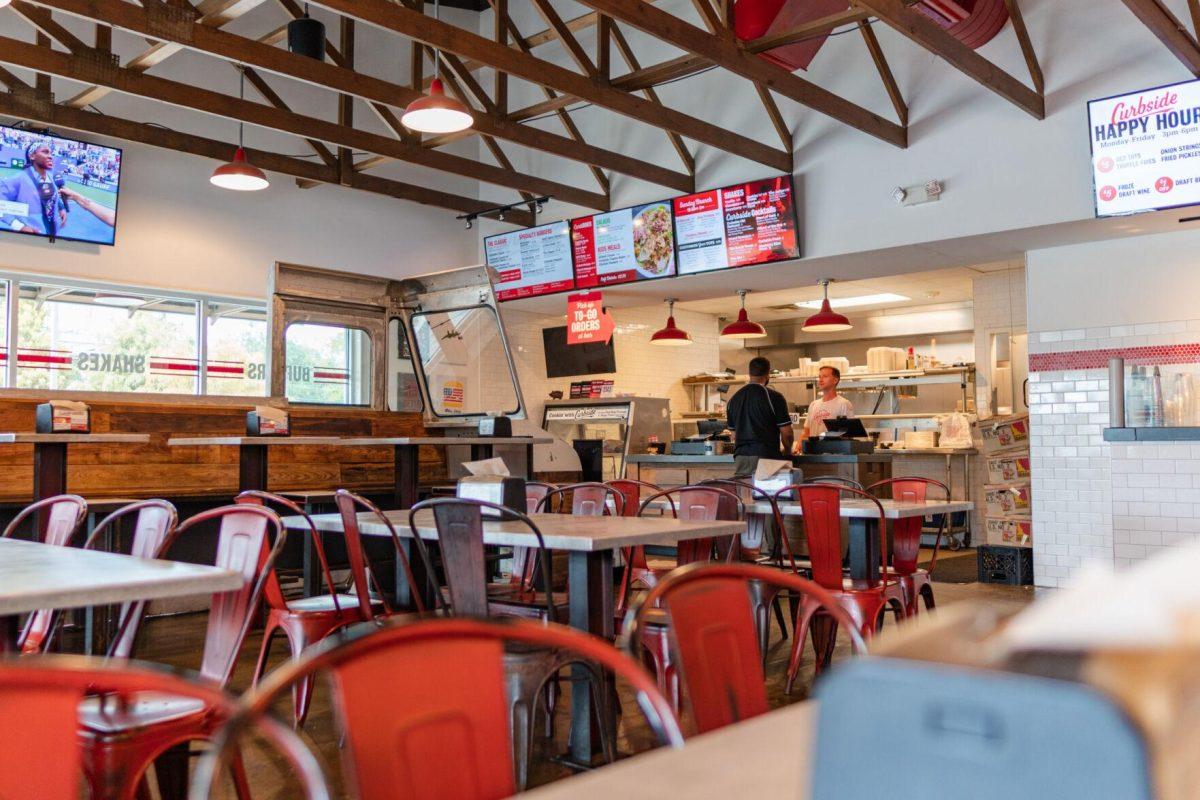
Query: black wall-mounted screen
(564, 360)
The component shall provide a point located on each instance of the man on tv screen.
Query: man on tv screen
(34, 188)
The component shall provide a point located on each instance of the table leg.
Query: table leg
(252, 467)
(590, 586)
(407, 471)
(10, 631)
(529, 462)
(864, 550)
(49, 469)
(311, 565)
(479, 452)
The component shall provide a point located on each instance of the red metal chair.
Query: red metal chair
(154, 524)
(906, 540)
(535, 491)
(305, 621)
(714, 634)
(44, 760)
(58, 519)
(151, 728)
(700, 504)
(635, 566)
(375, 607)
(864, 601)
(423, 705)
(587, 500)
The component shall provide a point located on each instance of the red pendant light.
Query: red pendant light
(671, 336)
(238, 175)
(826, 320)
(742, 327)
(435, 112)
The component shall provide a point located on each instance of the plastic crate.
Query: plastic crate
(1000, 563)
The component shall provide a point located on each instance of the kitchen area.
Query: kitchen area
(933, 364)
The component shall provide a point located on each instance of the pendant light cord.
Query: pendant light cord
(241, 96)
(437, 54)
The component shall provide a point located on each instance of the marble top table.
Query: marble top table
(34, 576)
(50, 455)
(768, 756)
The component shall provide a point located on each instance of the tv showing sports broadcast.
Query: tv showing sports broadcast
(58, 188)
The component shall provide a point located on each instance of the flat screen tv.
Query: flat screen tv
(58, 188)
(565, 360)
(1146, 150)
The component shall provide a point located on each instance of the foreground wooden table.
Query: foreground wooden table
(407, 449)
(50, 455)
(765, 757)
(34, 576)
(589, 543)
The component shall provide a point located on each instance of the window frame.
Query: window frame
(11, 280)
(370, 340)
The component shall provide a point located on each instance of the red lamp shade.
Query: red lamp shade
(437, 113)
(239, 175)
(671, 336)
(742, 327)
(826, 320)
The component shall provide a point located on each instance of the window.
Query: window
(463, 359)
(404, 394)
(327, 364)
(78, 336)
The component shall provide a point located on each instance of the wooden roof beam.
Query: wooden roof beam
(1169, 30)
(466, 44)
(926, 33)
(40, 59)
(66, 117)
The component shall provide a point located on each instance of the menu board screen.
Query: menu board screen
(626, 245)
(750, 223)
(1146, 150)
(532, 261)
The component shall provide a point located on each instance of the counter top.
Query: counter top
(651, 458)
(823, 458)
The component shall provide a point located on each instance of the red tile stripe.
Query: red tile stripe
(1098, 359)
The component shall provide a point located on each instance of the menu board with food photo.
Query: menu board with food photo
(626, 245)
(760, 221)
(532, 261)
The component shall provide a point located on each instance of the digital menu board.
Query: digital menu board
(625, 245)
(532, 261)
(1146, 150)
(750, 223)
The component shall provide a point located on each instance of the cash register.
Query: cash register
(843, 436)
(710, 439)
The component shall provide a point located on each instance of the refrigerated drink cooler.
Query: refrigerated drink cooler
(621, 426)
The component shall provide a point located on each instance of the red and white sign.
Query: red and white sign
(700, 232)
(587, 321)
(531, 262)
(625, 245)
(1146, 150)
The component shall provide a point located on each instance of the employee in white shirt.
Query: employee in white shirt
(831, 405)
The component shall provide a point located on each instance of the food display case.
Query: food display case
(605, 432)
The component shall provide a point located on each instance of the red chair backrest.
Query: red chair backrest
(423, 705)
(535, 491)
(272, 590)
(153, 524)
(249, 538)
(43, 759)
(822, 507)
(348, 504)
(714, 636)
(587, 499)
(59, 518)
(906, 533)
(631, 493)
(700, 504)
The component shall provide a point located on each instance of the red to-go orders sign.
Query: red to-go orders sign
(587, 321)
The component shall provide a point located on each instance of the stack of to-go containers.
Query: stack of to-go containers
(1007, 556)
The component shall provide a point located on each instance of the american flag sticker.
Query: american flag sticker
(452, 395)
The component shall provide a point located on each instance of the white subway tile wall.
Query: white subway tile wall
(642, 368)
(1113, 503)
(999, 305)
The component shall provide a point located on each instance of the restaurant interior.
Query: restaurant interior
(599, 398)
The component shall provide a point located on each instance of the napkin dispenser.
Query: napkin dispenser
(268, 421)
(1102, 725)
(495, 426)
(504, 490)
(775, 482)
(62, 416)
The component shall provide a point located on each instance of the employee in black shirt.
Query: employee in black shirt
(760, 421)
